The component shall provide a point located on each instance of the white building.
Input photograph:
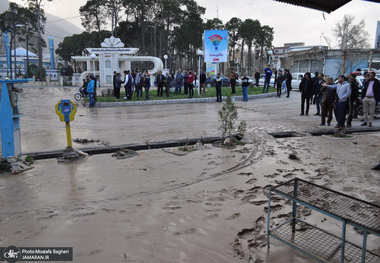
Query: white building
(112, 56)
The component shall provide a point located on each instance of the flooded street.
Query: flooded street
(206, 206)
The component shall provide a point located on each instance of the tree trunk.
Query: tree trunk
(242, 54)
(38, 3)
(142, 35)
(10, 55)
(27, 55)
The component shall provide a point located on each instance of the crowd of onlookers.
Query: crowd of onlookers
(135, 81)
(341, 98)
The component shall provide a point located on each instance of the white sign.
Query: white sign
(216, 45)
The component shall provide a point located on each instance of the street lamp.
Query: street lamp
(199, 54)
(166, 58)
(270, 55)
(93, 57)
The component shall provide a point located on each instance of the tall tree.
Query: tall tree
(249, 32)
(94, 16)
(15, 21)
(214, 23)
(263, 42)
(233, 26)
(114, 8)
(40, 18)
(349, 34)
(27, 30)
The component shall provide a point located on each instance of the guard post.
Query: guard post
(11, 110)
(66, 111)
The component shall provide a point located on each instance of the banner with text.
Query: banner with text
(210, 69)
(216, 45)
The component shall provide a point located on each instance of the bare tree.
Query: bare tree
(349, 34)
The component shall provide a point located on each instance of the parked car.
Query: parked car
(297, 78)
(262, 80)
(251, 81)
(211, 81)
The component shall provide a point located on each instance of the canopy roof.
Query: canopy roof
(21, 52)
(322, 5)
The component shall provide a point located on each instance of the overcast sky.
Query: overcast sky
(290, 23)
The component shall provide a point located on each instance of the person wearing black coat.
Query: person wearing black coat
(202, 81)
(288, 78)
(353, 99)
(280, 78)
(117, 85)
(317, 92)
(257, 78)
(306, 89)
(160, 84)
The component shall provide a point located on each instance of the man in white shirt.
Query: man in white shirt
(370, 96)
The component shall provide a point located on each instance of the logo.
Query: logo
(12, 254)
(215, 40)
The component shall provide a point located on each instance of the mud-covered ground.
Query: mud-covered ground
(206, 206)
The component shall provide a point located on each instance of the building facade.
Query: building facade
(331, 62)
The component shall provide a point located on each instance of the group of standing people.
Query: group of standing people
(341, 98)
(133, 81)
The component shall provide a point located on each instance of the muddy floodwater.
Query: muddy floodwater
(209, 205)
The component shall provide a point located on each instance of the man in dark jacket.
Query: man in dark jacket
(167, 80)
(352, 100)
(280, 78)
(218, 87)
(370, 96)
(317, 92)
(233, 79)
(328, 98)
(257, 78)
(117, 86)
(160, 83)
(202, 81)
(306, 89)
(288, 78)
(114, 82)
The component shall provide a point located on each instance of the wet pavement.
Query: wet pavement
(206, 206)
(42, 131)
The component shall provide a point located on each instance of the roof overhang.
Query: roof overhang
(322, 5)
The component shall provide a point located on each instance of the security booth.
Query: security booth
(11, 110)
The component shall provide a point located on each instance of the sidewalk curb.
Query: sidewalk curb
(130, 146)
(177, 101)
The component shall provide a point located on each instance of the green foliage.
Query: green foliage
(35, 71)
(227, 117)
(242, 127)
(30, 159)
(76, 44)
(67, 70)
(94, 16)
(214, 23)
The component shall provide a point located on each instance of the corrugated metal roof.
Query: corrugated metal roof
(322, 5)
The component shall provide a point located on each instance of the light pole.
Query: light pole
(166, 58)
(93, 57)
(200, 54)
(270, 55)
